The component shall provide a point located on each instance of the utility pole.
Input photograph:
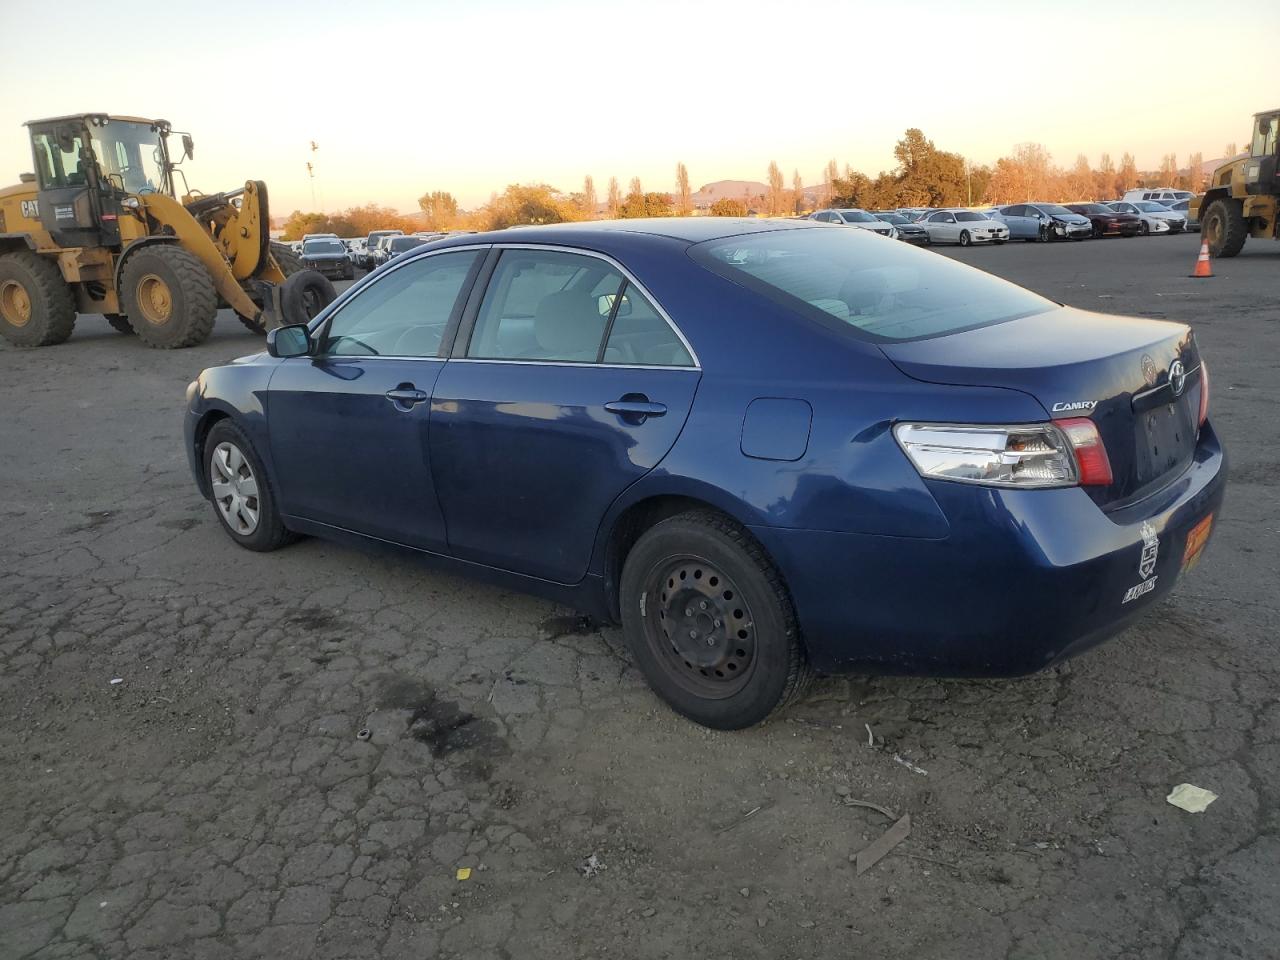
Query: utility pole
(311, 172)
(968, 181)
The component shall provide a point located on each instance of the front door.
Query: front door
(570, 386)
(350, 426)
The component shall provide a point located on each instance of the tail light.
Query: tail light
(1064, 453)
(1204, 393)
(1091, 454)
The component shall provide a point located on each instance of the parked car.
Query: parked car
(329, 256)
(1165, 195)
(854, 217)
(965, 227)
(319, 236)
(916, 214)
(1184, 207)
(392, 246)
(1044, 222)
(760, 478)
(1107, 221)
(1155, 217)
(908, 231)
(371, 245)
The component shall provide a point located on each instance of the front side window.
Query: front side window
(403, 314)
(851, 282)
(546, 305)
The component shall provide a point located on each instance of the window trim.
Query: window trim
(466, 328)
(451, 326)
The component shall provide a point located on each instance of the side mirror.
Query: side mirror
(188, 147)
(291, 341)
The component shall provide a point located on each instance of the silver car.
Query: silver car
(1156, 217)
(965, 227)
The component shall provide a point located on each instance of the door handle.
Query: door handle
(636, 406)
(406, 396)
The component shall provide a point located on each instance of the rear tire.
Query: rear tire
(37, 308)
(1225, 227)
(169, 297)
(230, 465)
(700, 573)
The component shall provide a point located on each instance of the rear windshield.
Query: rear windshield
(853, 281)
(405, 243)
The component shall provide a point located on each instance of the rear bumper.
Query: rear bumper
(1024, 579)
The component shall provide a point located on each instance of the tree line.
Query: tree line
(923, 176)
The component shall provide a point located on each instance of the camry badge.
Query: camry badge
(1177, 378)
(1068, 405)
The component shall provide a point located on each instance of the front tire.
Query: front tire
(1225, 227)
(168, 296)
(243, 498)
(710, 622)
(965, 239)
(1144, 229)
(36, 305)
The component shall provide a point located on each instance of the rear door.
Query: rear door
(567, 384)
(350, 425)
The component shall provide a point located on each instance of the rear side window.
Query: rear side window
(853, 282)
(546, 305)
(640, 335)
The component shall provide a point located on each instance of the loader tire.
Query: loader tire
(1225, 227)
(304, 295)
(36, 305)
(119, 322)
(289, 264)
(169, 297)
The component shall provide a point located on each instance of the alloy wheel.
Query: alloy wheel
(235, 488)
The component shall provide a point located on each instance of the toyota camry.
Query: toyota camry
(768, 449)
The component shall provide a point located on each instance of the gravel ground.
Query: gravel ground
(303, 748)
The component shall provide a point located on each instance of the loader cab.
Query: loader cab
(88, 165)
(1261, 173)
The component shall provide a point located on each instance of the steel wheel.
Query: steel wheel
(704, 634)
(15, 303)
(235, 488)
(154, 299)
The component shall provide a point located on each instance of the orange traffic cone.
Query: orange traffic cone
(1204, 266)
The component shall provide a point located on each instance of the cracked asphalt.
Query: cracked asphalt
(209, 753)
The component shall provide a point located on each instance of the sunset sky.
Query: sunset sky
(471, 95)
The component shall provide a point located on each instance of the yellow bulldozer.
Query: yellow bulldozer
(99, 228)
(1243, 196)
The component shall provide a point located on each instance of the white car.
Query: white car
(853, 217)
(965, 227)
(1184, 207)
(1165, 195)
(1156, 217)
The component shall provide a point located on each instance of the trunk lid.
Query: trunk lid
(1114, 370)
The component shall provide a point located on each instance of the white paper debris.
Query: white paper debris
(898, 758)
(115, 680)
(1189, 797)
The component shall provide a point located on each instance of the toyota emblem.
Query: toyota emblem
(1177, 378)
(1148, 370)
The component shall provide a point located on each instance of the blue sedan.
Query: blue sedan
(769, 449)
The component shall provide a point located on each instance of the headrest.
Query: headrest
(566, 323)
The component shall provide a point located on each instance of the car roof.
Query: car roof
(617, 232)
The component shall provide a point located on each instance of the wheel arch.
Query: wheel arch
(207, 421)
(135, 245)
(632, 516)
(9, 242)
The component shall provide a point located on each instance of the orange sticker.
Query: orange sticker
(1196, 540)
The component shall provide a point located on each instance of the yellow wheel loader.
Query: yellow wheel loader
(99, 228)
(1243, 197)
